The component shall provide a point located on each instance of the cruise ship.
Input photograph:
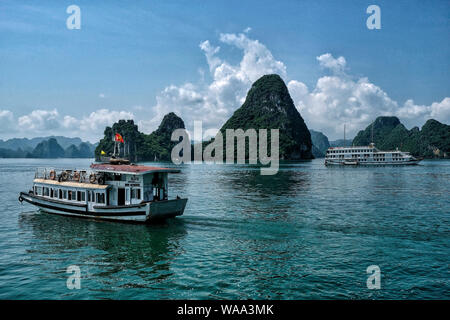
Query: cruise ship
(109, 191)
(367, 155)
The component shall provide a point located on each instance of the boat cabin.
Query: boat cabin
(107, 185)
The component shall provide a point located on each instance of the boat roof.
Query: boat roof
(72, 184)
(130, 168)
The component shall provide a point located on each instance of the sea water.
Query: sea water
(309, 232)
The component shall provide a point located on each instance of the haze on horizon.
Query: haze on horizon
(198, 59)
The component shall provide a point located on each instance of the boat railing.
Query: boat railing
(75, 175)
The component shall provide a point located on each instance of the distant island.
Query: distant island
(46, 147)
(432, 141)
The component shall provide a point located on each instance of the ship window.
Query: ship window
(83, 196)
(135, 193)
(65, 194)
(46, 191)
(100, 197)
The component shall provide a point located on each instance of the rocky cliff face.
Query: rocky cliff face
(139, 146)
(48, 149)
(269, 106)
(320, 143)
(389, 133)
(157, 145)
(132, 137)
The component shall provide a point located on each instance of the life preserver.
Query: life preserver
(92, 178)
(52, 175)
(101, 180)
(76, 176)
(64, 175)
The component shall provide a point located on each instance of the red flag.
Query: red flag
(118, 137)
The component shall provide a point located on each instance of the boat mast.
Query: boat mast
(344, 134)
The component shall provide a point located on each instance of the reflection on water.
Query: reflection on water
(146, 250)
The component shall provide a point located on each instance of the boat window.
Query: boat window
(135, 193)
(46, 193)
(60, 193)
(100, 197)
(81, 196)
(65, 194)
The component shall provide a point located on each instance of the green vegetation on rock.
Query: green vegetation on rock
(269, 106)
(47, 149)
(320, 144)
(389, 133)
(139, 146)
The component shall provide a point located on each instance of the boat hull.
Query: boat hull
(142, 213)
(386, 163)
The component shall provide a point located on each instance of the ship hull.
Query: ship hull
(371, 163)
(142, 213)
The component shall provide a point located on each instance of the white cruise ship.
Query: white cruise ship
(367, 155)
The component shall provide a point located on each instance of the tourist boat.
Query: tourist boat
(116, 191)
(367, 155)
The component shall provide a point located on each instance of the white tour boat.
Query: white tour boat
(110, 191)
(367, 155)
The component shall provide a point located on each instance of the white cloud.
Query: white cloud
(341, 98)
(101, 95)
(51, 122)
(327, 61)
(40, 120)
(214, 102)
(410, 113)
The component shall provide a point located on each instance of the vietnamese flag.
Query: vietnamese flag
(118, 138)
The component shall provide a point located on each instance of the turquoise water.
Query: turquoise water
(309, 232)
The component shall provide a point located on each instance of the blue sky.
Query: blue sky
(142, 59)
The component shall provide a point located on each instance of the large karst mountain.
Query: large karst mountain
(269, 106)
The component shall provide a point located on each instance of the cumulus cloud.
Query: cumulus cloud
(327, 61)
(214, 102)
(340, 98)
(40, 120)
(337, 98)
(51, 122)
